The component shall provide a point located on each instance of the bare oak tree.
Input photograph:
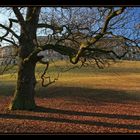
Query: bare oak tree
(73, 32)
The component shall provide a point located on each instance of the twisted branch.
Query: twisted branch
(43, 77)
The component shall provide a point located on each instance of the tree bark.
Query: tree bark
(25, 90)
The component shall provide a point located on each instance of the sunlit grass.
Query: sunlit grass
(121, 76)
(129, 69)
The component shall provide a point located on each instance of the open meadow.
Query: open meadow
(87, 100)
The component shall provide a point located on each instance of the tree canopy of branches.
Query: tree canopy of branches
(70, 31)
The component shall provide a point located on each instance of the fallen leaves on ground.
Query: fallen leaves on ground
(63, 115)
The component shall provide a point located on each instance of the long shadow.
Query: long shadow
(98, 95)
(7, 88)
(59, 120)
(92, 114)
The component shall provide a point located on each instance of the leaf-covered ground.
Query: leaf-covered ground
(61, 115)
(81, 101)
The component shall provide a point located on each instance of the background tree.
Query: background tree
(73, 32)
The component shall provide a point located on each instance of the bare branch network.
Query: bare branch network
(72, 32)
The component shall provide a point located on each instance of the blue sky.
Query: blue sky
(132, 20)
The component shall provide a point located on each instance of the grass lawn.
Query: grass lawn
(87, 100)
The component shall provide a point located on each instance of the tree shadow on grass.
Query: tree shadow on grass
(80, 94)
(7, 88)
(72, 121)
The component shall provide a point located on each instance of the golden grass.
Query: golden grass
(124, 75)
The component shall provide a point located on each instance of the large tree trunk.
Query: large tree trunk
(25, 90)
